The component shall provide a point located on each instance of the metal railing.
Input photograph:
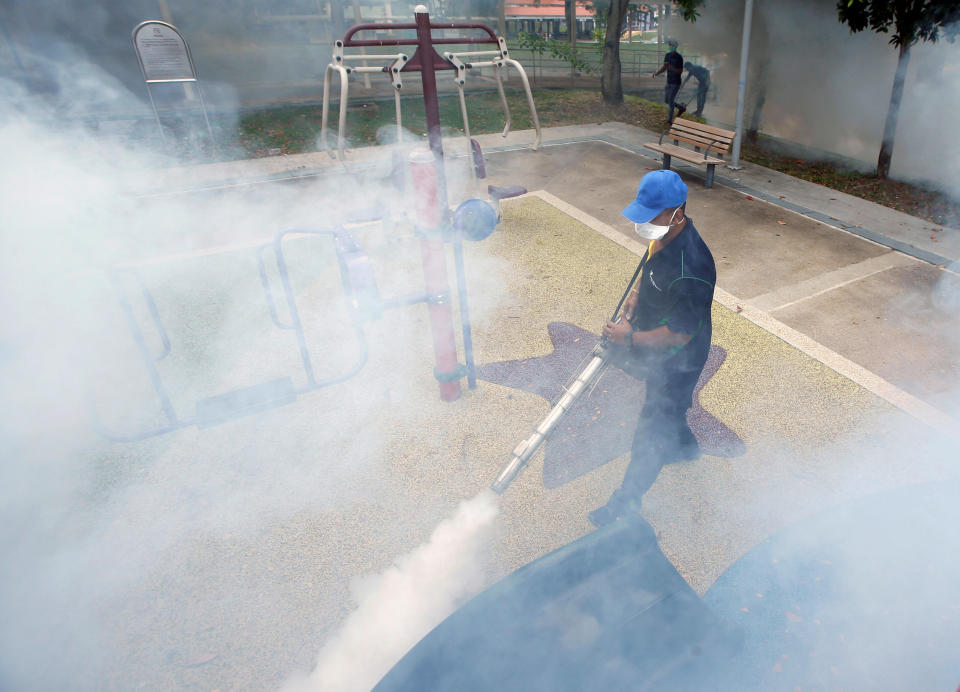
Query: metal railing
(633, 63)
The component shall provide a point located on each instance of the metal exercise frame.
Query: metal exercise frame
(364, 304)
(435, 225)
(425, 60)
(356, 278)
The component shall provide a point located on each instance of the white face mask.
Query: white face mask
(653, 231)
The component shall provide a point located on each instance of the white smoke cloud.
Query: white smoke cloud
(399, 606)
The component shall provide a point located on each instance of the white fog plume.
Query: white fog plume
(402, 604)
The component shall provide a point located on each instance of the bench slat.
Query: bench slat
(719, 131)
(702, 142)
(701, 133)
(681, 153)
(699, 136)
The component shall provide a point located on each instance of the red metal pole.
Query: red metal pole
(427, 54)
(430, 216)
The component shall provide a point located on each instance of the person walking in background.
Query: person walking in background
(673, 66)
(703, 84)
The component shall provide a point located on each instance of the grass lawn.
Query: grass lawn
(295, 129)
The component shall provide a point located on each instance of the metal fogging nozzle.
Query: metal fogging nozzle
(526, 449)
(509, 472)
(513, 467)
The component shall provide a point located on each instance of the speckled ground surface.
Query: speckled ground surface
(256, 527)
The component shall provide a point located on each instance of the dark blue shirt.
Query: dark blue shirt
(676, 290)
(674, 58)
(701, 73)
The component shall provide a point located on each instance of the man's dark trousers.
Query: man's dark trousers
(662, 435)
(702, 89)
(670, 96)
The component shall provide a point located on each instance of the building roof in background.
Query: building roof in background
(545, 10)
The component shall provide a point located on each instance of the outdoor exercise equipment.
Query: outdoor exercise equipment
(596, 363)
(433, 220)
(434, 224)
(344, 70)
(474, 220)
(425, 60)
(363, 303)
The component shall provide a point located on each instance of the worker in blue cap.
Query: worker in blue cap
(664, 336)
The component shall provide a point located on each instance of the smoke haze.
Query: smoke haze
(122, 561)
(829, 89)
(104, 542)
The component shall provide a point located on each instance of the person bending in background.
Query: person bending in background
(673, 66)
(665, 336)
(703, 84)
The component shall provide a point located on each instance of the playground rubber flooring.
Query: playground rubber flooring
(259, 526)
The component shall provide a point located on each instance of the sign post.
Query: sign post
(164, 58)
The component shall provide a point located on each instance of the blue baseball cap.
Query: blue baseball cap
(658, 190)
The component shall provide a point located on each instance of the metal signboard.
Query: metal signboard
(163, 53)
(164, 57)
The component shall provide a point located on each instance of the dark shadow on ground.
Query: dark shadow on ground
(599, 427)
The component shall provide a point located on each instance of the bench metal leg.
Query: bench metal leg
(666, 160)
(710, 167)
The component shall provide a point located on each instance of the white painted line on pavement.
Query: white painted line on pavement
(870, 381)
(786, 296)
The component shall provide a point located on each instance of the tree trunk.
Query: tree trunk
(570, 9)
(337, 19)
(759, 98)
(890, 127)
(759, 72)
(659, 35)
(610, 85)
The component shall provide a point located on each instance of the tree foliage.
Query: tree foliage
(906, 22)
(688, 9)
(558, 49)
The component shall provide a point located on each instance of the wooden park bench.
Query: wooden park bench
(709, 144)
